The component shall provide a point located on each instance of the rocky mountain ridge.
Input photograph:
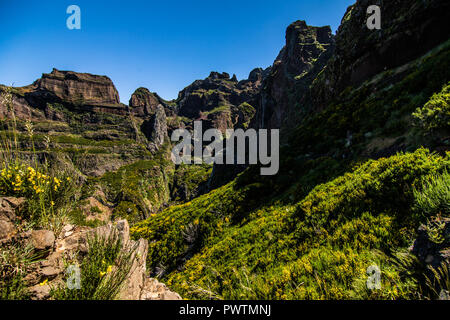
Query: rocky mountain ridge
(354, 186)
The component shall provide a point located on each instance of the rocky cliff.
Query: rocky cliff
(79, 88)
(409, 29)
(76, 91)
(306, 51)
(220, 101)
(144, 103)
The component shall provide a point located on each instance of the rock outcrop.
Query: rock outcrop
(73, 240)
(143, 102)
(9, 206)
(77, 91)
(306, 51)
(83, 89)
(217, 99)
(155, 129)
(409, 29)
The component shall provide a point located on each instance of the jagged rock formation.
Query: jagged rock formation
(8, 218)
(409, 29)
(155, 129)
(77, 91)
(306, 51)
(221, 102)
(143, 102)
(72, 243)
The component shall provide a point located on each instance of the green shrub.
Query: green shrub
(103, 271)
(15, 260)
(433, 195)
(47, 194)
(127, 210)
(435, 114)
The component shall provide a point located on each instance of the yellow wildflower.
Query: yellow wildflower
(43, 283)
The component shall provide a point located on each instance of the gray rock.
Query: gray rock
(9, 206)
(155, 129)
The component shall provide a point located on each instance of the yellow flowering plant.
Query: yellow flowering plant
(46, 193)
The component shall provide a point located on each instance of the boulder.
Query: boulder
(135, 282)
(155, 290)
(9, 206)
(40, 292)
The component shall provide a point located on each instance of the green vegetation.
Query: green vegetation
(48, 193)
(15, 261)
(246, 112)
(434, 196)
(318, 248)
(187, 180)
(144, 183)
(345, 198)
(379, 108)
(435, 115)
(219, 109)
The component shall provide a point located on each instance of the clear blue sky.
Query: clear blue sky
(161, 45)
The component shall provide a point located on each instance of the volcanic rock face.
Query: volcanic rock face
(143, 102)
(408, 30)
(155, 129)
(79, 88)
(80, 91)
(306, 51)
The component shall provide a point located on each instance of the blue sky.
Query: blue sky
(161, 45)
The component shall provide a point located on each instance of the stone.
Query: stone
(40, 292)
(407, 32)
(208, 99)
(81, 91)
(123, 228)
(304, 55)
(50, 272)
(7, 229)
(9, 206)
(96, 211)
(43, 239)
(155, 290)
